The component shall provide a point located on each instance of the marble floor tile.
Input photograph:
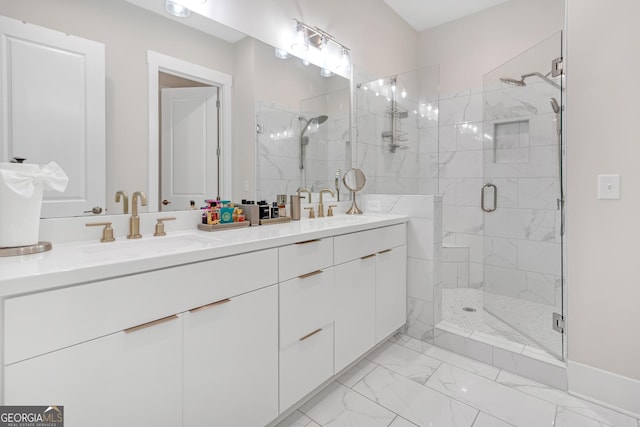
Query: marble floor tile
(486, 420)
(418, 404)
(566, 401)
(298, 419)
(339, 406)
(566, 418)
(501, 401)
(454, 359)
(401, 422)
(404, 361)
(399, 338)
(356, 372)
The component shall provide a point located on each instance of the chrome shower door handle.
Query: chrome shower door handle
(495, 198)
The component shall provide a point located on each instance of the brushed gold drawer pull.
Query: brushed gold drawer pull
(207, 306)
(368, 256)
(313, 273)
(385, 251)
(150, 324)
(310, 335)
(307, 241)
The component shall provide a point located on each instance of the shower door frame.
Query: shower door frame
(537, 214)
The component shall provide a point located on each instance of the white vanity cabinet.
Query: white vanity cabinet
(130, 378)
(223, 338)
(306, 318)
(231, 361)
(61, 347)
(370, 289)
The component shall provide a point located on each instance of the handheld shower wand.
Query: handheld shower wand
(304, 140)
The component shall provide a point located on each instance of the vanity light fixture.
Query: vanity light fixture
(177, 9)
(325, 49)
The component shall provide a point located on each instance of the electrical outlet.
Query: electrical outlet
(373, 205)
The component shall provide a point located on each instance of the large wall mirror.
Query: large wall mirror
(130, 32)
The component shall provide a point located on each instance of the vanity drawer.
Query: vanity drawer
(356, 245)
(305, 364)
(47, 321)
(305, 257)
(305, 304)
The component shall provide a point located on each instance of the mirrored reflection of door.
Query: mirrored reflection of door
(189, 144)
(523, 196)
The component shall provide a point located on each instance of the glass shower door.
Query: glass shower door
(522, 194)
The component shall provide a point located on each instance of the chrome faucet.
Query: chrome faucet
(321, 204)
(134, 221)
(125, 201)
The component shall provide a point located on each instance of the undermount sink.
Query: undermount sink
(137, 248)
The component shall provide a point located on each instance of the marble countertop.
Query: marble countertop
(86, 261)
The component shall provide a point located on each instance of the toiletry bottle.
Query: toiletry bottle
(275, 211)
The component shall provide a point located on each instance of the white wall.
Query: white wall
(127, 31)
(467, 48)
(602, 117)
(380, 41)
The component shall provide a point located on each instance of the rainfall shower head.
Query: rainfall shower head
(513, 82)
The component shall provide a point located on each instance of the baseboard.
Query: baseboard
(605, 388)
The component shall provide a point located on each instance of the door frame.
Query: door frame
(159, 62)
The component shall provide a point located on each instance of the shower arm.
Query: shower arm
(543, 77)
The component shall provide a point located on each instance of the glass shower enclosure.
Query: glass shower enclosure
(522, 197)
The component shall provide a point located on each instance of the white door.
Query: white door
(52, 93)
(189, 143)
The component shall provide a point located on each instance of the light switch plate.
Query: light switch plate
(608, 187)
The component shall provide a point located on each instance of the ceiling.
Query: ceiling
(425, 14)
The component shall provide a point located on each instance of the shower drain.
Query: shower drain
(469, 309)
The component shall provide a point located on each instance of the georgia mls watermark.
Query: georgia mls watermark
(31, 416)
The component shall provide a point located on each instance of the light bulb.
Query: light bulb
(300, 40)
(177, 9)
(282, 54)
(325, 72)
(344, 63)
(403, 94)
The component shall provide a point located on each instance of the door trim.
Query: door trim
(158, 62)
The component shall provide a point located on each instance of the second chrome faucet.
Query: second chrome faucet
(134, 221)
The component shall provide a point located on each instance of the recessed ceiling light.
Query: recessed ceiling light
(176, 9)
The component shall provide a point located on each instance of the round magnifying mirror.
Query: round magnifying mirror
(354, 180)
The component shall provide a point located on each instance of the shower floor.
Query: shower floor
(482, 326)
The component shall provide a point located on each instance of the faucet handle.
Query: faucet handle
(312, 214)
(107, 233)
(330, 211)
(160, 225)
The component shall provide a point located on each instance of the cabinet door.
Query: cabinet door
(391, 291)
(354, 310)
(231, 361)
(125, 379)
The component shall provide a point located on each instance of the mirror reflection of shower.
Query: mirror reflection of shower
(395, 112)
(304, 140)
